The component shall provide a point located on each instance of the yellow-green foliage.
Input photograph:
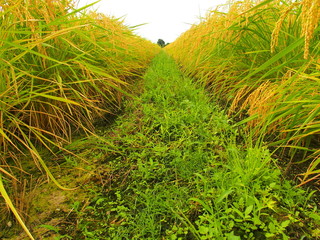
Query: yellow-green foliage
(261, 58)
(60, 68)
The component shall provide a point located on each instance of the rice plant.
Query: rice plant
(261, 60)
(61, 68)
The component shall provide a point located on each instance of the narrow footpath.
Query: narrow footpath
(178, 172)
(173, 166)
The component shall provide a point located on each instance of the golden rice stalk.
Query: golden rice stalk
(32, 11)
(260, 102)
(310, 20)
(276, 31)
(238, 99)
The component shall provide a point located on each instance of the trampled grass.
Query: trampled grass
(61, 68)
(261, 59)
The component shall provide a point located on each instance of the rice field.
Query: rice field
(61, 68)
(215, 136)
(260, 59)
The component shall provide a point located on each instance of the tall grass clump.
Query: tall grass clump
(261, 60)
(61, 68)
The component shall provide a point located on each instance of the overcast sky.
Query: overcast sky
(165, 19)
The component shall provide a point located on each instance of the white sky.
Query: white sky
(166, 19)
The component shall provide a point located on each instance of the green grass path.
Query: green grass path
(179, 173)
